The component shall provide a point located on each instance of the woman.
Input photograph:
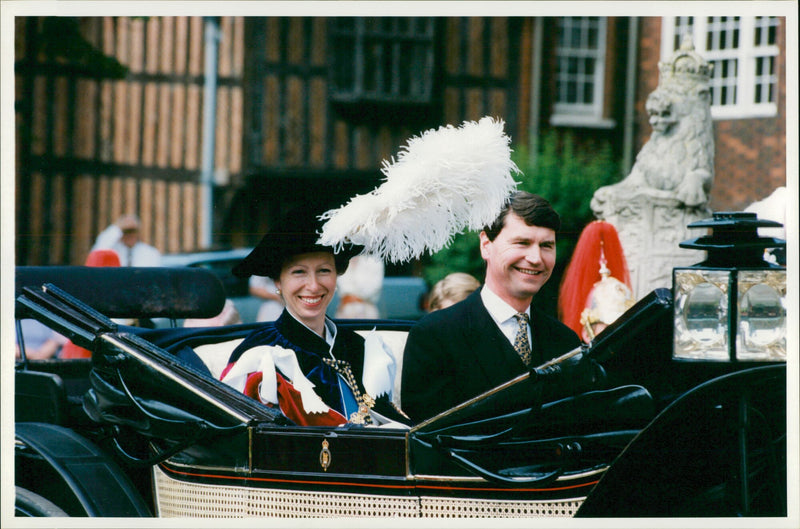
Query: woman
(315, 372)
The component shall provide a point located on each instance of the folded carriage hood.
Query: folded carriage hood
(131, 292)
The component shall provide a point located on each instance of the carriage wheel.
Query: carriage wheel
(29, 503)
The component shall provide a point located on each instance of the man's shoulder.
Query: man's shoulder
(147, 255)
(349, 336)
(553, 325)
(540, 314)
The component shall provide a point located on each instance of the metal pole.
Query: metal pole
(630, 95)
(209, 128)
(536, 89)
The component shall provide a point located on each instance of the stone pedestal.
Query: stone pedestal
(651, 224)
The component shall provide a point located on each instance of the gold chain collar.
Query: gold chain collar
(365, 401)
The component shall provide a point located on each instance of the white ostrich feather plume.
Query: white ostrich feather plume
(443, 182)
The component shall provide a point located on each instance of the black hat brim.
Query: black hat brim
(295, 234)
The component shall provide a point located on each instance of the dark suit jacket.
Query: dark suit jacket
(457, 353)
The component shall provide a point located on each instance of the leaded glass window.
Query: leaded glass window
(580, 70)
(382, 59)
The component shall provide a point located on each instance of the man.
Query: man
(123, 237)
(457, 353)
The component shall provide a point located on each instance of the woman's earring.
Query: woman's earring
(278, 291)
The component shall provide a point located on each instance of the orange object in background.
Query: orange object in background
(102, 258)
(95, 258)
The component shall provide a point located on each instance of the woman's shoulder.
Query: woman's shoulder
(460, 312)
(265, 333)
(349, 336)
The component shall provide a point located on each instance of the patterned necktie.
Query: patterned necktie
(521, 344)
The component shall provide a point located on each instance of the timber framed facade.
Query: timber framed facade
(312, 105)
(90, 149)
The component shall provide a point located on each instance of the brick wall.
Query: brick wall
(750, 161)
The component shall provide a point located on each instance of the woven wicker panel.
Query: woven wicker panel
(184, 499)
(177, 498)
(435, 507)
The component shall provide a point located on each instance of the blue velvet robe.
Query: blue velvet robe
(310, 349)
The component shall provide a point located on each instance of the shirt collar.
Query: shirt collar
(330, 332)
(498, 309)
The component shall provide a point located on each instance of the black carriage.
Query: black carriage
(692, 422)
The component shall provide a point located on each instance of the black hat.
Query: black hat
(296, 233)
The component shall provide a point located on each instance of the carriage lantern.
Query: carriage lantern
(732, 306)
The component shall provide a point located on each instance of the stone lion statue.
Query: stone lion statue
(669, 184)
(678, 159)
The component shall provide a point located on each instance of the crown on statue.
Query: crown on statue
(686, 66)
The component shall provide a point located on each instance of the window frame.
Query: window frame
(391, 43)
(582, 114)
(746, 56)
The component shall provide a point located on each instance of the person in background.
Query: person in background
(451, 289)
(360, 288)
(95, 258)
(495, 334)
(264, 288)
(607, 301)
(40, 342)
(596, 286)
(229, 315)
(124, 238)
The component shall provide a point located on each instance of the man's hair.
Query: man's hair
(533, 209)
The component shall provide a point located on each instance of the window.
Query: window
(382, 59)
(580, 72)
(743, 51)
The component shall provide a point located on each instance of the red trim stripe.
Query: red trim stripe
(372, 485)
(293, 481)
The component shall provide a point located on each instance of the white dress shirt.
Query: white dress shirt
(503, 314)
(140, 254)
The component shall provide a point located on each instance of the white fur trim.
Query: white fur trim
(379, 366)
(266, 359)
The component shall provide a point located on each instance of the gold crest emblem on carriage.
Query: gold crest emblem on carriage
(325, 455)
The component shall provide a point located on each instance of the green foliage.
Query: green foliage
(564, 173)
(462, 255)
(568, 175)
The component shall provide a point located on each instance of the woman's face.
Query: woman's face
(307, 284)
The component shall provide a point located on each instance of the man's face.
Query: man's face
(130, 237)
(519, 260)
